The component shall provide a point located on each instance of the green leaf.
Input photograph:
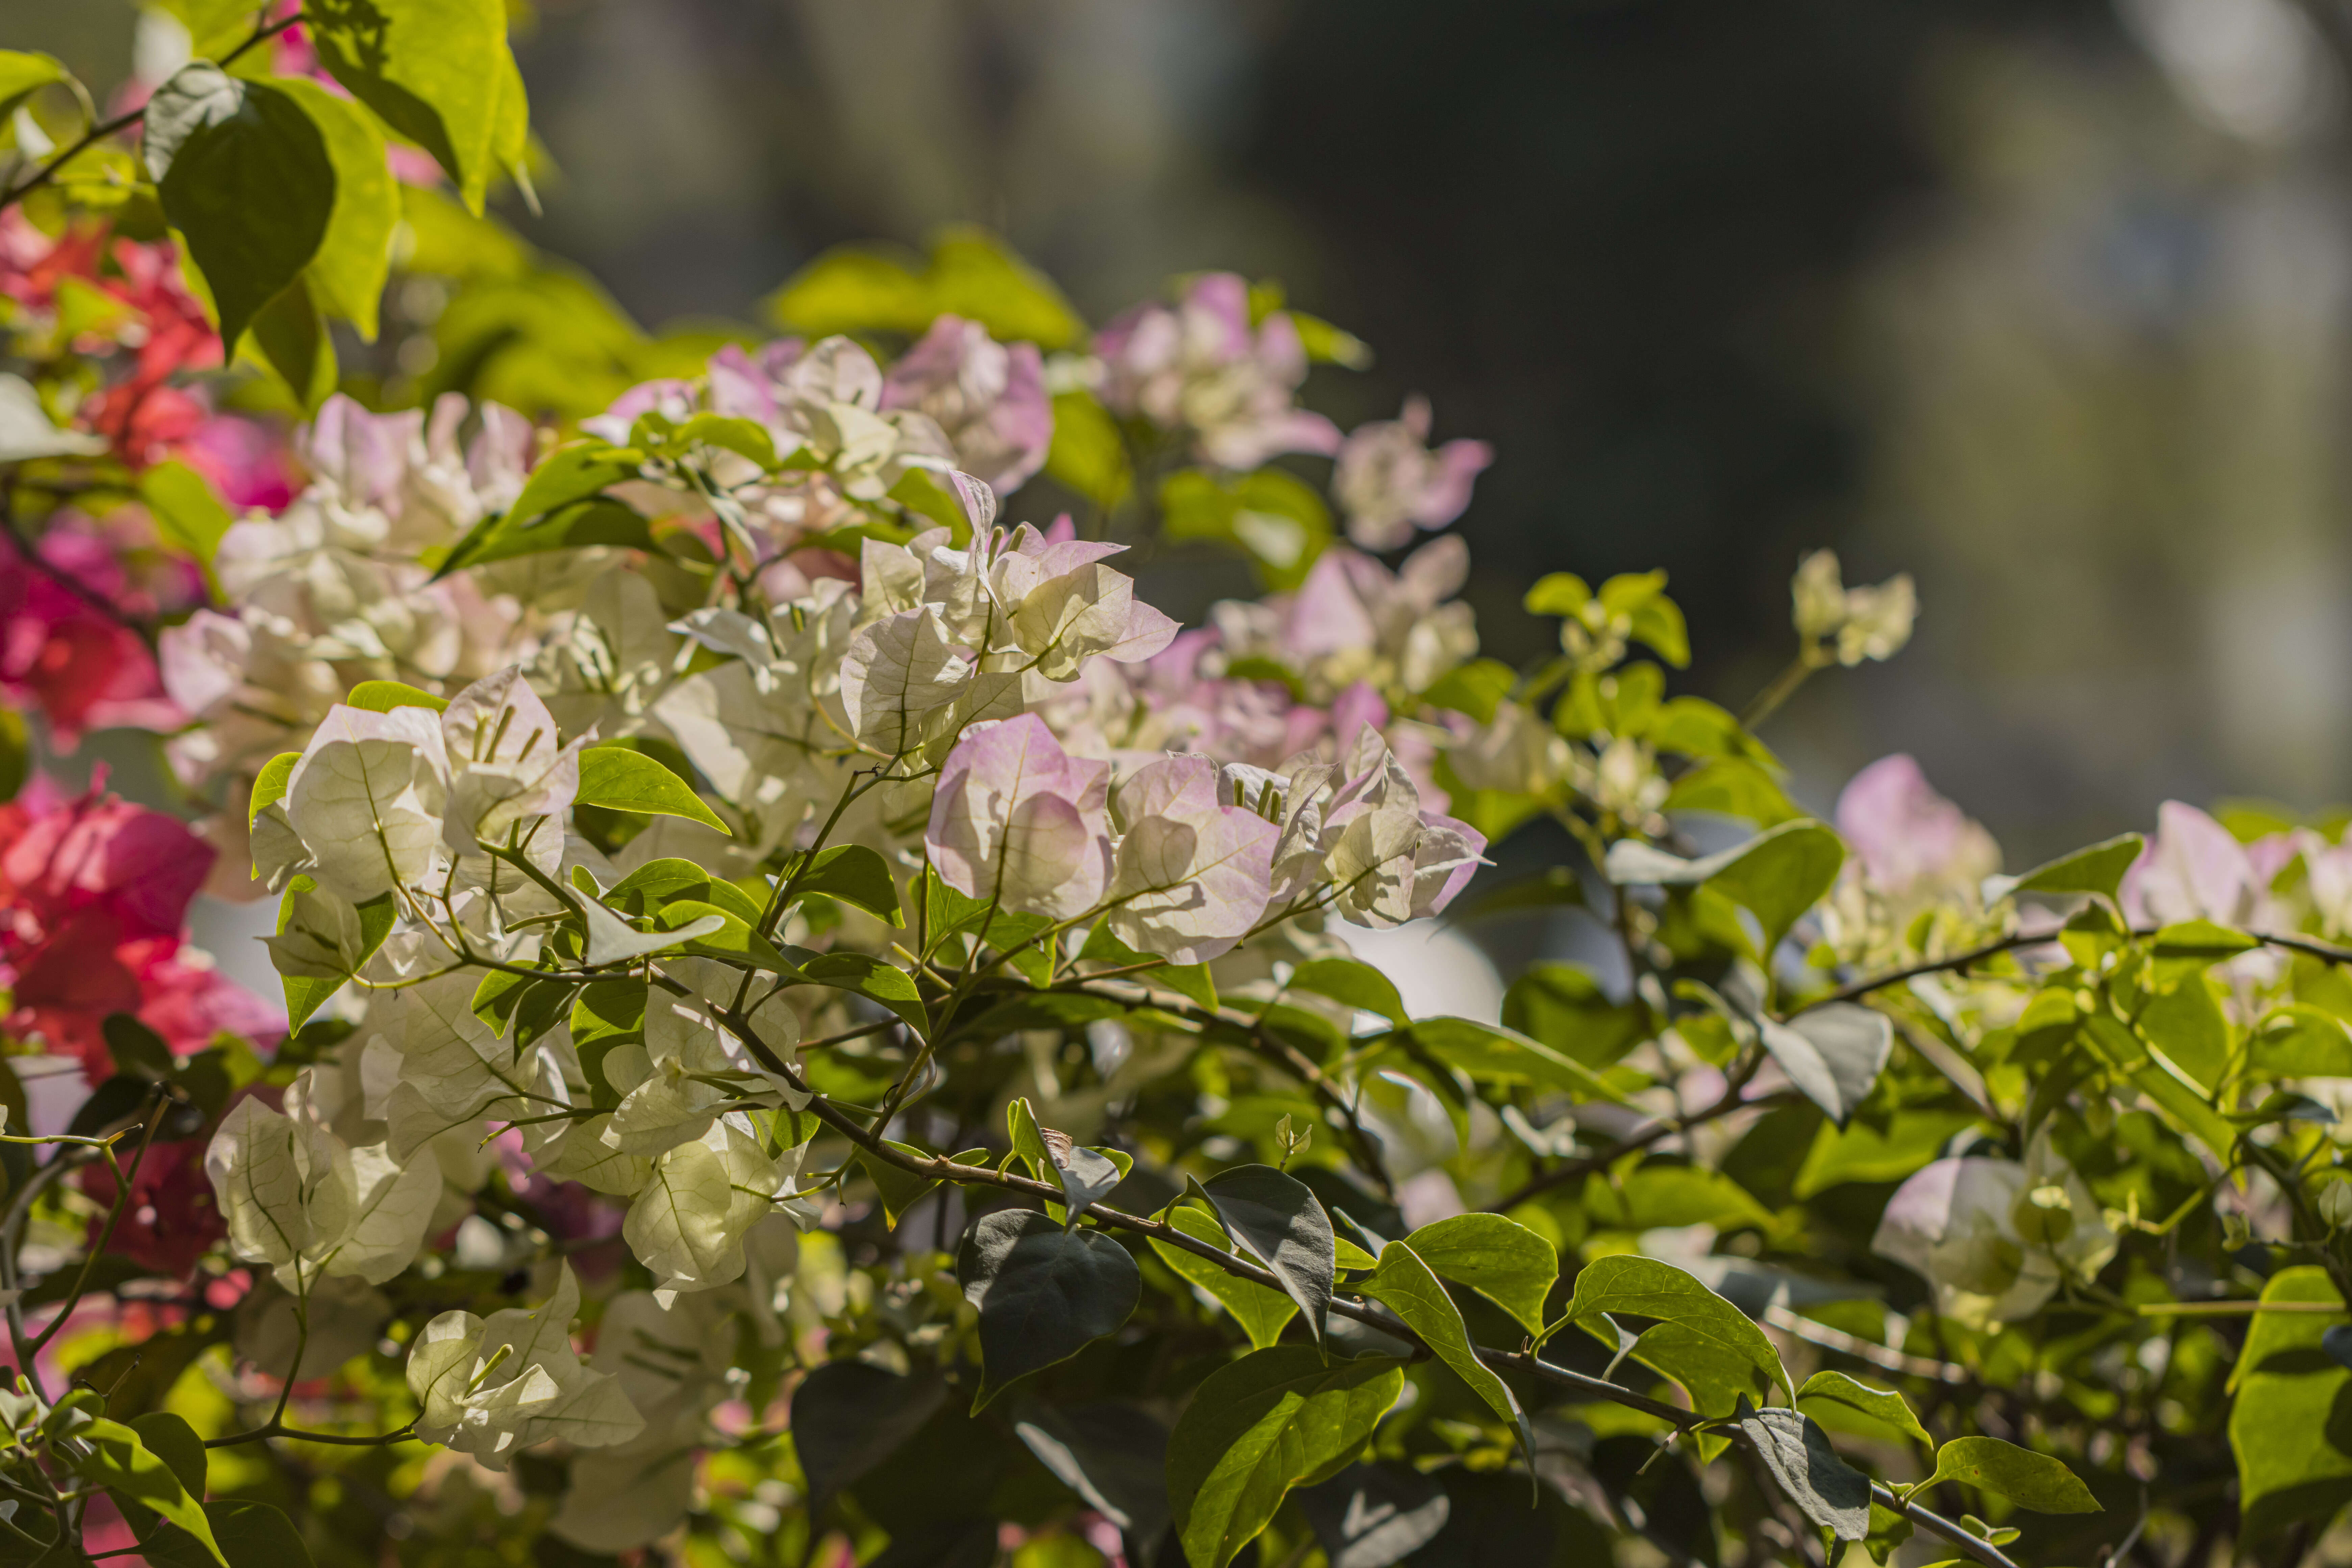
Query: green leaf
(290, 337)
(573, 471)
(306, 993)
(245, 175)
(1665, 1195)
(23, 73)
(1276, 1219)
(1190, 981)
(1087, 454)
(2294, 1464)
(598, 520)
(1491, 1054)
(2183, 1102)
(668, 880)
(1354, 983)
(872, 979)
(1699, 1340)
(901, 1189)
(269, 784)
(435, 71)
(2301, 1042)
(1114, 1456)
(858, 288)
(1825, 1488)
(1558, 594)
(744, 437)
(1262, 1312)
(1277, 519)
(625, 780)
(1044, 1293)
(2099, 869)
(2025, 1477)
(135, 1047)
(847, 1416)
(185, 508)
(1475, 688)
(171, 1439)
(855, 875)
(121, 1461)
(1276, 1419)
(250, 1535)
(1834, 1054)
(1500, 1258)
(1876, 1411)
(1405, 1283)
(1564, 1006)
(1028, 1138)
(347, 274)
(1777, 875)
(1735, 787)
(15, 753)
(383, 696)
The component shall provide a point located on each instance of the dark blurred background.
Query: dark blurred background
(2045, 303)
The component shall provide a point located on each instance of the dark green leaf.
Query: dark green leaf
(1699, 1340)
(854, 874)
(121, 1461)
(171, 1439)
(245, 174)
(1262, 1312)
(136, 1049)
(1275, 1218)
(847, 1416)
(1403, 1282)
(627, 780)
(1368, 1516)
(1113, 1455)
(1825, 1488)
(1274, 1419)
(1044, 1293)
(290, 335)
(251, 1535)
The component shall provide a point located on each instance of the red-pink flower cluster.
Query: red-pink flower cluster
(94, 896)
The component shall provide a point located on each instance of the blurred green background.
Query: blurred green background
(2046, 302)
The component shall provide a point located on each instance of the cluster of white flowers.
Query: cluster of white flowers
(946, 709)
